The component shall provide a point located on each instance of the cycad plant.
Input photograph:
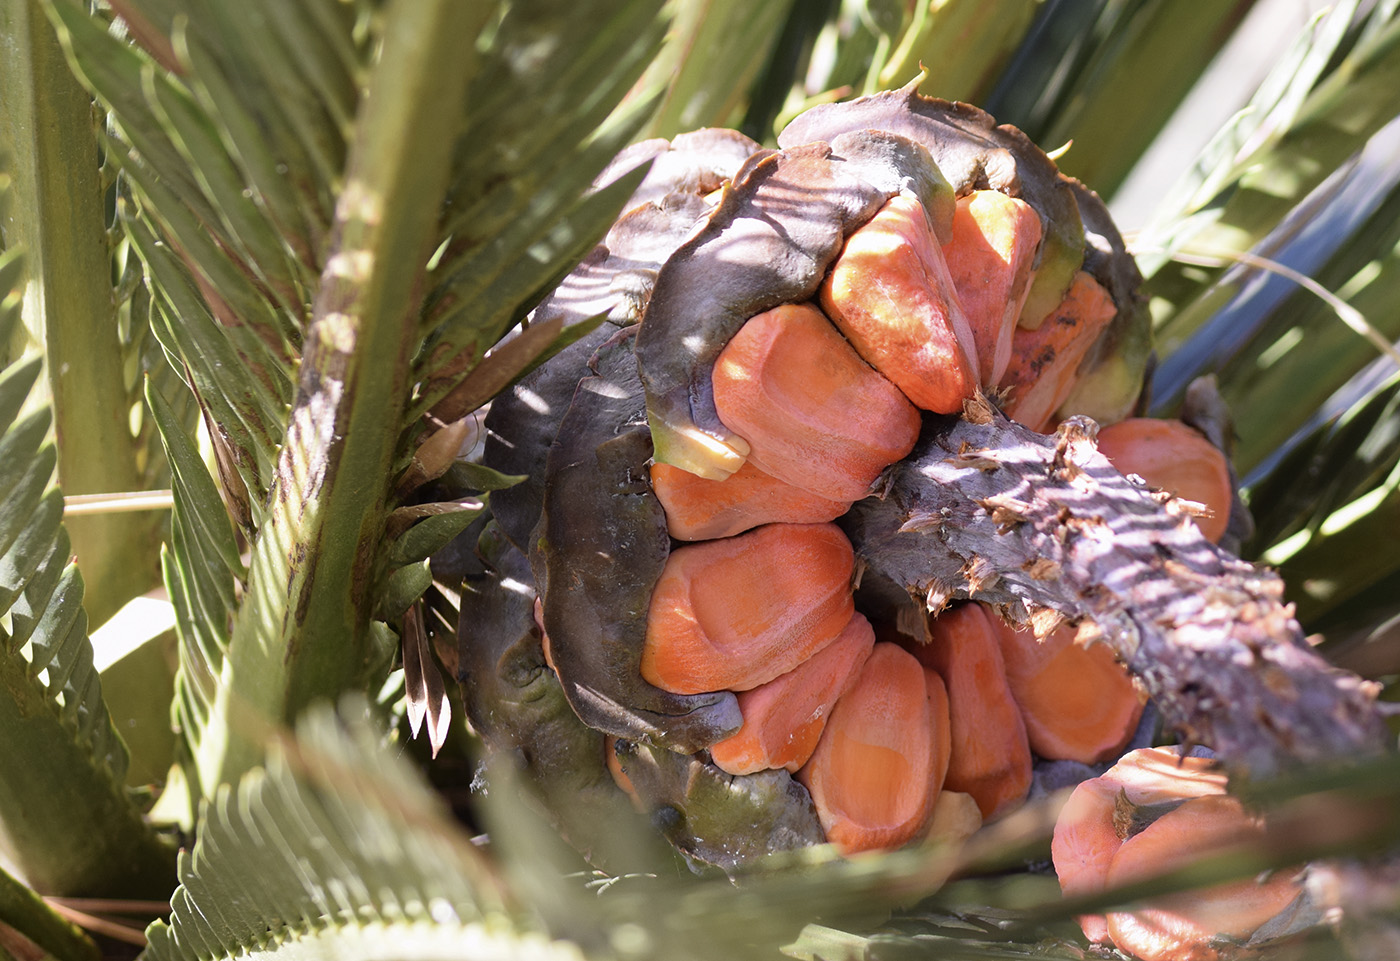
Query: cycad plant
(275, 257)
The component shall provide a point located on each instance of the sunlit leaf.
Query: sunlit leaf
(57, 739)
(338, 848)
(714, 54)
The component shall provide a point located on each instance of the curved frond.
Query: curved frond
(1317, 109)
(1145, 59)
(337, 849)
(229, 238)
(286, 201)
(58, 215)
(201, 568)
(56, 737)
(1329, 508)
(1281, 351)
(520, 211)
(714, 54)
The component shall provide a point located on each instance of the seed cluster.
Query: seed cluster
(786, 325)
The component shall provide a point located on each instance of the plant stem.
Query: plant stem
(27, 913)
(302, 632)
(56, 214)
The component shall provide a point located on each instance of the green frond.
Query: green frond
(713, 55)
(229, 283)
(1337, 459)
(1144, 61)
(433, 532)
(521, 214)
(238, 386)
(232, 159)
(1299, 352)
(143, 358)
(397, 940)
(201, 568)
(303, 631)
(235, 248)
(1317, 109)
(230, 131)
(963, 45)
(58, 215)
(1273, 107)
(1330, 534)
(245, 112)
(338, 849)
(1106, 76)
(56, 737)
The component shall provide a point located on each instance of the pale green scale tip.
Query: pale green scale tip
(939, 200)
(1109, 392)
(1061, 257)
(691, 449)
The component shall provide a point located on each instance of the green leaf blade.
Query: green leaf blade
(337, 843)
(299, 640)
(56, 736)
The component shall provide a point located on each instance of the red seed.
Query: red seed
(813, 413)
(1184, 926)
(891, 294)
(1078, 703)
(698, 509)
(991, 758)
(870, 776)
(1085, 840)
(1045, 361)
(784, 718)
(995, 240)
(735, 613)
(1174, 457)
